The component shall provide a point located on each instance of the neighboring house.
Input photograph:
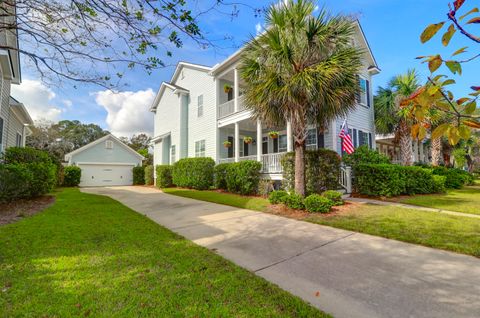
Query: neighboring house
(202, 107)
(105, 162)
(13, 115)
(387, 145)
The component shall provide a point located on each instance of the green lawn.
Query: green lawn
(244, 202)
(89, 255)
(453, 233)
(466, 200)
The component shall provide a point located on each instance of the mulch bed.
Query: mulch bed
(282, 210)
(17, 210)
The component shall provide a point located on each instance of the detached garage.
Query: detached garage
(105, 162)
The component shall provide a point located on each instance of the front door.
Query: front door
(230, 149)
(264, 145)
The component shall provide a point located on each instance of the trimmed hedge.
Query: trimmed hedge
(455, 178)
(322, 168)
(364, 155)
(149, 175)
(195, 173)
(316, 203)
(72, 176)
(393, 180)
(138, 175)
(277, 197)
(243, 177)
(15, 182)
(26, 172)
(220, 175)
(439, 184)
(164, 176)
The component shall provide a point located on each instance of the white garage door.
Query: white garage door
(98, 175)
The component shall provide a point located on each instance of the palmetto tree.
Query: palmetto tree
(303, 70)
(391, 117)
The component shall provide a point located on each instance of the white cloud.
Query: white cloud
(316, 8)
(128, 112)
(68, 103)
(38, 99)
(258, 28)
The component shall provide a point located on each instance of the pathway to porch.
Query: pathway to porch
(344, 273)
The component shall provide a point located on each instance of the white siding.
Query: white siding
(4, 109)
(14, 126)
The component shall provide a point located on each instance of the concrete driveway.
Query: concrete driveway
(344, 273)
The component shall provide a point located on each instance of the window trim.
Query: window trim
(367, 92)
(198, 148)
(312, 145)
(199, 106)
(173, 154)
(18, 141)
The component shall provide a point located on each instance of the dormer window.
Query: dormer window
(109, 144)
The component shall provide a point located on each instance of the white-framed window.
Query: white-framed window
(311, 141)
(109, 144)
(18, 140)
(282, 143)
(200, 106)
(363, 97)
(200, 148)
(173, 154)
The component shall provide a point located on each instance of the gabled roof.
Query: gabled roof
(96, 142)
(171, 84)
(20, 111)
(236, 55)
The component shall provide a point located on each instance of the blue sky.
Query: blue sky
(392, 28)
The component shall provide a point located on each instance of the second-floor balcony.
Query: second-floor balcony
(228, 107)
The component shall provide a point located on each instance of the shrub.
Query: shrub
(439, 184)
(164, 176)
(276, 197)
(243, 177)
(44, 178)
(15, 182)
(220, 175)
(317, 203)
(455, 178)
(322, 168)
(196, 173)
(72, 177)
(364, 155)
(294, 201)
(334, 196)
(26, 155)
(418, 180)
(265, 186)
(379, 179)
(148, 175)
(138, 175)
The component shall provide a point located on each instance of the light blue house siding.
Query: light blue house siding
(100, 154)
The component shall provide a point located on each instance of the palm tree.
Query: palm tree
(303, 70)
(391, 116)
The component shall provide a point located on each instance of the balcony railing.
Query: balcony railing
(271, 163)
(254, 157)
(228, 108)
(226, 160)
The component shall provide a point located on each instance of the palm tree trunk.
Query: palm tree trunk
(436, 151)
(405, 143)
(300, 168)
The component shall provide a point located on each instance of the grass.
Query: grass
(466, 200)
(89, 255)
(239, 201)
(452, 233)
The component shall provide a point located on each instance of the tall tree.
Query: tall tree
(302, 69)
(97, 41)
(392, 115)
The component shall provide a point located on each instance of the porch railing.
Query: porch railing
(226, 160)
(254, 157)
(271, 163)
(228, 108)
(345, 179)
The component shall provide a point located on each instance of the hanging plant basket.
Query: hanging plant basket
(273, 134)
(227, 144)
(227, 88)
(248, 140)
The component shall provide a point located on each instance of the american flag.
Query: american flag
(347, 144)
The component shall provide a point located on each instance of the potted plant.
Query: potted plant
(247, 140)
(227, 88)
(273, 134)
(227, 144)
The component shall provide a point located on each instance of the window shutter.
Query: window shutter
(370, 140)
(361, 139)
(321, 141)
(368, 92)
(357, 94)
(355, 140)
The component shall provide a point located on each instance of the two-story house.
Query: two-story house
(201, 108)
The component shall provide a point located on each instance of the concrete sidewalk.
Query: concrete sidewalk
(343, 273)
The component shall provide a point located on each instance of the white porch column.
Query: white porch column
(235, 89)
(259, 140)
(236, 142)
(289, 137)
(415, 150)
